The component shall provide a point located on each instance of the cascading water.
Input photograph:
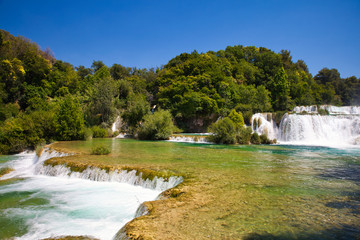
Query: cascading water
(263, 123)
(37, 205)
(304, 126)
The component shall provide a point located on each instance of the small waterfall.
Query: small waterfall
(329, 130)
(263, 123)
(332, 110)
(101, 175)
(116, 125)
(304, 125)
(189, 138)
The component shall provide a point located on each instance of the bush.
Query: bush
(264, 139)
(26, 131)
(244, 135)
(88, 134)
(99, 132)
(255, 138)
(157, 126)
(223, 131)
(100, 150)
(323, 111)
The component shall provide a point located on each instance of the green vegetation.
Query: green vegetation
(231, 130)
(5, 170)
(44, 99)
(98, 132)
(100, 150)
(157, 126)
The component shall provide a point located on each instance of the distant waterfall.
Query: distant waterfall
(305, 126)
(263, 123)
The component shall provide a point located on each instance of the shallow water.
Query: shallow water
(257, 192)
(36, 206)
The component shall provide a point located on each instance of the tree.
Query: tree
(157, 126)
(96, 65)
(326, 75)
(103, 98)
(281, 91)
(237, 118)
(69, 119)
(137, 108)
(223, 131)
(118, 71)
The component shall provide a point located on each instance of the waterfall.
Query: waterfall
(116, 125)
(305, 126)
(263, 123)
(35, 166)
(195, 138)
(101, 175)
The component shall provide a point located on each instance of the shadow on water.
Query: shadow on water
(349, 172)
(345, 232)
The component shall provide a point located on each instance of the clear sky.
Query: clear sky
(147, 33)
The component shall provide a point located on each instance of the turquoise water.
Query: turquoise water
(36, 206)
(303, 192)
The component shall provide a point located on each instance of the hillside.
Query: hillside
(44, 99)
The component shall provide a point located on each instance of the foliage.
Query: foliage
(264, 139)
(69, 119)
(98, 132)
(223, 132)
(26, 130)
(137, 108)
(323, 111)
(255, 138)
(157, 126)
(197, 88)
(230, 130)
(100, 150)
(244, 135)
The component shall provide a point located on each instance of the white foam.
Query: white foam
(93, 202)
(341, 128)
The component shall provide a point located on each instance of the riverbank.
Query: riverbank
(231, 192)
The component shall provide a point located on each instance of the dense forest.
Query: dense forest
(43, 99)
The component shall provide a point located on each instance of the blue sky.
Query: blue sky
(149, 33)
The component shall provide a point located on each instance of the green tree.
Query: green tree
(224, 131)
(137, 108)
(69, 119)
(157, 126)
(281, 91)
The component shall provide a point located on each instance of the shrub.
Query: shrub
(323, 111)
(100, 150)
(237, 118)
(223, 131)
(88, 134)
(157, 126)
(244, 135)
(255, 138)
(264, 139)
(99, 132)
